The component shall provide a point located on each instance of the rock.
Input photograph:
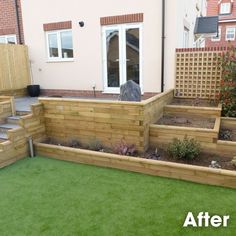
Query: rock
(130, 91)
(215, 165)
(234, 161)
(154, 155)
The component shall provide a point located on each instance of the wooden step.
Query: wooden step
(22, 113)
(5, 127)
(3, 137)
(13, 119)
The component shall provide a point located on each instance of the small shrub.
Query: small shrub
(184, 149)
(226, 134)
(125, 149)
(95, 145)
(227, 95)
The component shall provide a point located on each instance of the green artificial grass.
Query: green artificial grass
(41, 196)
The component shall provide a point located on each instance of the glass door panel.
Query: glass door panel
(121, 55)
(112, 50)
(132, 55)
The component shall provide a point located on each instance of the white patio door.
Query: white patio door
(121, 56)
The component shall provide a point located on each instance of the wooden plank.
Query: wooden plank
(14, 74)
(151, 167)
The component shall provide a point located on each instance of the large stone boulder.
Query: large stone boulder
(130, 91)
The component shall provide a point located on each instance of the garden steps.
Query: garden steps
(3, 137)
(6, 127)
(22, 113)
(13, 119)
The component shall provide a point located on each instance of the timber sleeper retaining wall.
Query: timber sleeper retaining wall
(108, 121)
(227, 146)
(151, 167)
(204, 112)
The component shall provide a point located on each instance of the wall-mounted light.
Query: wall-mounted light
(81, 23)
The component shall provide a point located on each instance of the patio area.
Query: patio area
(23, 103)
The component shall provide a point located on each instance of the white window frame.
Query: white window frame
(9, 36)
(217, 39)
(225, 8)
(186, 37)
(59, 58)
(227, 29)
(122, 55)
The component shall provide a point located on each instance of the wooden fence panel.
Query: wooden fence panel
(14, 67)
(198, 73)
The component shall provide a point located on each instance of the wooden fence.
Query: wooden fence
(14, 69)
(198, 72)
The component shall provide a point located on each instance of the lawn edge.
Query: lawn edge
(197, 174)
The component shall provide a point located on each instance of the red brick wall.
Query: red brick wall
(220, 48)
(131, 18)
(213, 10)
(8, 22)
(57, 26)
(223, 41)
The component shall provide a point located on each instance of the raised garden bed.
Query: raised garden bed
(153, 167)
(228, 129)
(158, 154)
(194, 102)
(204, 159)
(182, 121)
(191, 111)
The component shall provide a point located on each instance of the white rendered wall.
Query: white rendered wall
(86, 69)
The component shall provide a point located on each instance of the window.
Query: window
(11, 39)
(217, 37)
(225, 8)
(186, 38)
(59, 45)
(230, 33)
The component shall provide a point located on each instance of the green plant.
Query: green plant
(227, 94)
(184, 149)
(125, 149)
(95, 145)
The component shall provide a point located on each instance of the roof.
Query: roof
(206, 25)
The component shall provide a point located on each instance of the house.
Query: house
(226, 10)
(11, 27)
(82, 48)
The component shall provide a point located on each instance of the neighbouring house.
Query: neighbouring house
(226, 10)
(11, 27)
(78, 48)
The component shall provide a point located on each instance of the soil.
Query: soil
(204, 159)
(194, 102)
(186, 122)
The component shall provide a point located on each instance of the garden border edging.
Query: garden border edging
(191, 173)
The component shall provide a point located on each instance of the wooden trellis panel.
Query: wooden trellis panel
(198, 73)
